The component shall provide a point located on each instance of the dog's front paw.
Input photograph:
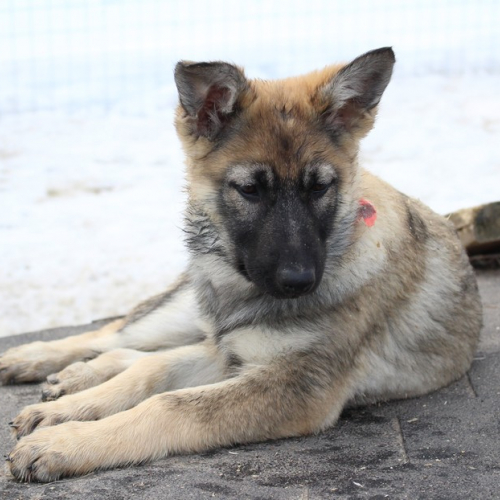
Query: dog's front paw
(49, 454)
(39, 415)
(74, 378)
(31, 362)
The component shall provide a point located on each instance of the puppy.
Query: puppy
(311, 285)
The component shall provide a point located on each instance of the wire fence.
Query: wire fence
(61, 54)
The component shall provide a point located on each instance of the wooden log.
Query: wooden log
(479, 228)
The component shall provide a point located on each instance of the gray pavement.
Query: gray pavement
(442, 446)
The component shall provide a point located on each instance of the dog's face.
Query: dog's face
(272, 166)
(280, 225)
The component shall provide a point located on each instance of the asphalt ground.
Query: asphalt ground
(445, 445)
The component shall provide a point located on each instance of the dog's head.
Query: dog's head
(272, 165)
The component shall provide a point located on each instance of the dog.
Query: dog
(312, 286)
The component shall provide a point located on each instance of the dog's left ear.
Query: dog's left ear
(209, 92)
(356, 89)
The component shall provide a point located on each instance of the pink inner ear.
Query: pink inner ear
(210, 114)
(217, 97)
(344, 117)
(367, 212)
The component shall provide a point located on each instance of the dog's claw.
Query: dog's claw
(52, 395)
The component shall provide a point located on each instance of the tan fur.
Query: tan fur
(35, 361)
(396, 314)
(80, 375)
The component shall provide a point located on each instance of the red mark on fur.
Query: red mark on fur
(367, 212)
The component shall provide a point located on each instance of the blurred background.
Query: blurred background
(91, 173)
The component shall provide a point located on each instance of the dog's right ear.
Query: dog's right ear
(209, 92)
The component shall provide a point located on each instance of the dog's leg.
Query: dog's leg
(288, 397)
(80, 376)
(165, 321)
(166, 371)
(33, 362)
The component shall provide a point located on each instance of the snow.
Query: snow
(92, 190)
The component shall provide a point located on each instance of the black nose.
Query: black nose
(296, 281)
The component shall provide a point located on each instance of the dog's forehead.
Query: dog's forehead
(281, 125)
(282, 143)
(283, 139)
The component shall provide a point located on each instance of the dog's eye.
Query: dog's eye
(319, 188)
(249, 191)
